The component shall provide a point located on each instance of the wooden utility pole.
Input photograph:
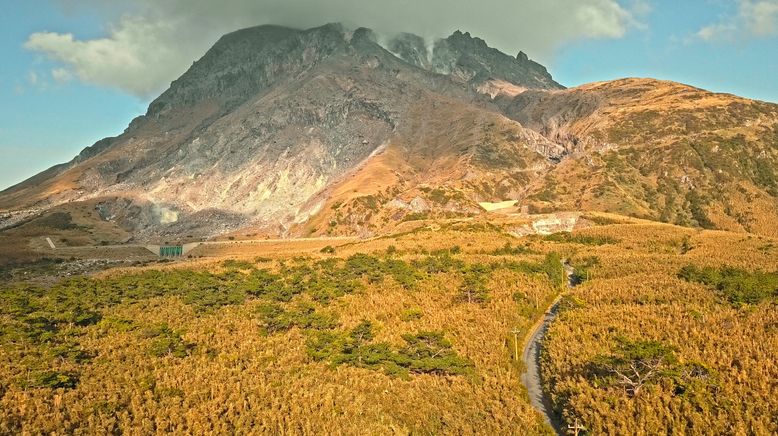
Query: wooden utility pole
(576, 428)
(516, 332)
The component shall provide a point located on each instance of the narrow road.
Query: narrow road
(531, 357)
(225, 242)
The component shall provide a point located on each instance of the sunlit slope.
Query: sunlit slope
(661, 150)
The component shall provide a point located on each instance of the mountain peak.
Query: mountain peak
(466, 39)
(247, 61)
(469, 59)
(274, 126)
(472, 60)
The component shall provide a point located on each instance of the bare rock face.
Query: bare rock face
(249, 61)
(412, 49)
(258, 128)
(471, 60)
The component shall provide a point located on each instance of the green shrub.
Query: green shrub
(509, 250)
(364, 265)
(416, 216)
(167, 342)
(473, 288)
(736, 285)
(439, 263)
(569, 302)
(411, 314)
(207, 299)
(601, 221)
(403, 273)
(238, 264)
(72, 352)
(580, 239)
(53, 380)
(424, 352)
(582, 269)
(274, 318)
(697, 208)
(551, 267)
(634, 364)
(430, 352)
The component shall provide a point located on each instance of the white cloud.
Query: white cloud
(762, 17)
(137, 56)
(753, 19)
(155, 41)
(32, 78)
(61, 75)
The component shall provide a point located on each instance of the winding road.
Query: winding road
(531, 357)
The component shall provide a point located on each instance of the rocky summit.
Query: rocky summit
(332, 131)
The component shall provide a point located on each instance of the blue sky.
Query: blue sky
(60, 94)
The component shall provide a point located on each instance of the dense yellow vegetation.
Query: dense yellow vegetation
(176, 357)
(720, 369)
(403, 334)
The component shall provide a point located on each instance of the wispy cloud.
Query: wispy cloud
(754, 19)
(32, 78)
(154, 42)
(61, 75)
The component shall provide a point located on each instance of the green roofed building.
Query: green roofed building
(171, 250)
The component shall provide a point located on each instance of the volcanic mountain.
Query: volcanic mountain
(330, 131)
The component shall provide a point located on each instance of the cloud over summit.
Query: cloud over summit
(153, 42)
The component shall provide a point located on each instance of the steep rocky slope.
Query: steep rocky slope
(330, 131)
(268, 120)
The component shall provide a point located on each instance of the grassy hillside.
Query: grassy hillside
(659, 150)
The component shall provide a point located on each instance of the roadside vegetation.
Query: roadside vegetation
(669, 329)
(659, 339)
(279, 344)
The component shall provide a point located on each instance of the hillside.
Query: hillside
(335, 231)
(278, 131)
(659, 150)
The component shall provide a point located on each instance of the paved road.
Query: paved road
(268, 241)
(531, 356)
(226, 242)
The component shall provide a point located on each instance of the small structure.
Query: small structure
(171, 251)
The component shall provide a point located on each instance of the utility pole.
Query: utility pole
(576, 428)
(516, 332)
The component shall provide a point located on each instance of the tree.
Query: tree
(635, 364)
(473, 288)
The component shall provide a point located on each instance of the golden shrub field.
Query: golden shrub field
(720, 375)
(183, 361)
(407, 334)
